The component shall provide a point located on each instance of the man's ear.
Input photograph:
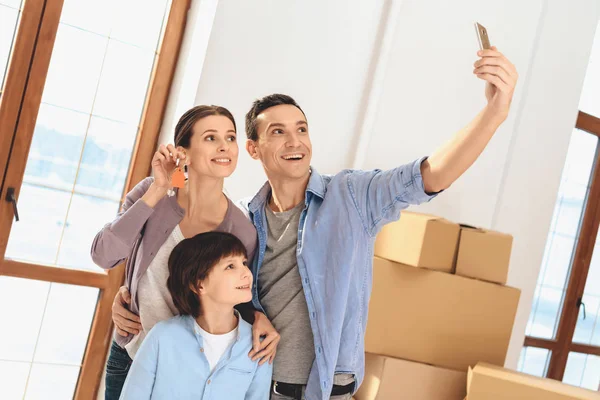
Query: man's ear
(252, 149)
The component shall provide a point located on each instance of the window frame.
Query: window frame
(563, 344)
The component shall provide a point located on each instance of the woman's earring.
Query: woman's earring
(185, 171)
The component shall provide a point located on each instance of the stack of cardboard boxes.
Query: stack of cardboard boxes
(439, 307)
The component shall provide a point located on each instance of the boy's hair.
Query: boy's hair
(261, 105)
(192, 260)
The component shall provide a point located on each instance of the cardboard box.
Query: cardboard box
(489, 382)
(392, 379)
(419, 240)
(483, 254)
(438, 318)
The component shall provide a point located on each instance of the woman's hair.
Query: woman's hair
(184, 130)
(192, 260)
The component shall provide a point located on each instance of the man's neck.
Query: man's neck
(287, 193)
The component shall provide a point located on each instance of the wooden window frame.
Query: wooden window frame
(25, 80)
(563, 344)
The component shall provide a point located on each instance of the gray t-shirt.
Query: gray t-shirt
(282, 296)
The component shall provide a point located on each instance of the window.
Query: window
(563, 327)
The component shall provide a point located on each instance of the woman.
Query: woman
(204, 350)
(153, 222)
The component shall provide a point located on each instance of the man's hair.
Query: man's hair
(261, 105)
(192, 260)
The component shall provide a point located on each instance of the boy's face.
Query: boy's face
(283, 144)
(229, 282)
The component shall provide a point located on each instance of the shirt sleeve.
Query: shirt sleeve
(142, 374)
(379, 196)
(261, 383)
(115, 241)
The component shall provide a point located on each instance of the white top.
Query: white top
(154, 300)
(216, 345)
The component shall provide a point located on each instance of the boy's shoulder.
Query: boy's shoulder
(172, 329)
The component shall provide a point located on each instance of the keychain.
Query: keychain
(177, 180)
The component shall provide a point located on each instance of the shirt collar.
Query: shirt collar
(242, 327)
(316, 186)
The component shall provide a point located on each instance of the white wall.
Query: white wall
(330, 57)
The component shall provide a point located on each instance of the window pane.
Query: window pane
(585, 327)
(563, 235)
(11, 3)
(75, 68)
(86, 129)
(105, 158)
(10, 11)
(89, 15)
(47, 332)
(545, 321)
(66, 326)
(125, 77)
(13, 379)
(18, 343)
(36, 237)
(146, 31)
(590, 96)
(583, 370)
(534, 361)
(56, 147)
(51, 382)
(86, 216)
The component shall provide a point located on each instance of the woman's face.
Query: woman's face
(213, 149)
(228, 283)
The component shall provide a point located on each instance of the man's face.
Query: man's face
(283, 144)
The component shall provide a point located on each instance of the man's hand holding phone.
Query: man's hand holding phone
(499, 73)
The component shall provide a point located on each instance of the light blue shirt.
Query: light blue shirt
(170, 364)
(336, 236)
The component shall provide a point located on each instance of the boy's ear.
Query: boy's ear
(197, 288)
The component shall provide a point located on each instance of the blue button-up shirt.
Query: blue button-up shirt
(341, 217)
(170, 364)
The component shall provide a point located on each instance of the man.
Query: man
(312, 276)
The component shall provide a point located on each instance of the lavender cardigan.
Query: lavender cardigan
(138, 232)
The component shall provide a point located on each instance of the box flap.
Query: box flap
(427, 217)
(465, 226)
(542, 384)
(469, 377)
(476, 229)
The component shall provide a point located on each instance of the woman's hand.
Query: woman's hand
(265, 350)
(164, 163)
(125, 321)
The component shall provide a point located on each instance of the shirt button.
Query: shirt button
(208, 382)
(201, 349)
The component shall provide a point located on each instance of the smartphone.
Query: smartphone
(482, 36)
